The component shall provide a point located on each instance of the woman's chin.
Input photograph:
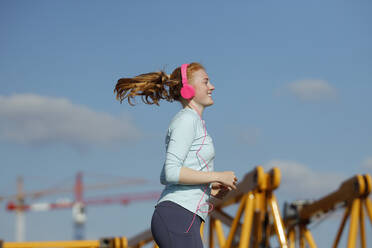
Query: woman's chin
(210, 103)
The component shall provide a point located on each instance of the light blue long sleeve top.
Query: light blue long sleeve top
(184, 137)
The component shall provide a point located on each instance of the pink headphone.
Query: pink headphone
(187, 91)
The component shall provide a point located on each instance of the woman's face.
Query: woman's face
(203, 88)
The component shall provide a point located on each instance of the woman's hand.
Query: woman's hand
(219, 190)
(227, 178)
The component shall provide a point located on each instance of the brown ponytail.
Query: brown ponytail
(154, 86)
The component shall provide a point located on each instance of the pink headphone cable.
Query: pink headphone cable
(197, 153)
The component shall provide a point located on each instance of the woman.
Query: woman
(188, 173)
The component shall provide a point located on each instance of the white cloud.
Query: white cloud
(312, 90)
(301, 182)
(33, 119)
(367, 163)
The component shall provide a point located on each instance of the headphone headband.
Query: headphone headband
(184, 73)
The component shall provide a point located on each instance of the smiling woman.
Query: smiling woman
(188, 171)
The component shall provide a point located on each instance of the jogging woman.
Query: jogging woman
(188, 171)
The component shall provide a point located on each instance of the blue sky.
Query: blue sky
(293, 89)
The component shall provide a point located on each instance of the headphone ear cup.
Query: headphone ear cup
(187, 91)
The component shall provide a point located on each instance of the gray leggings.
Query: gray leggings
(169, 224)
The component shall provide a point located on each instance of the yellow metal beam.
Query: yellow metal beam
(309, 238)
(291, 238)
(279, 227)
(342, 225)
(353, 227)
(368, 204)
(220, 234)
(362, 233)
(211, 232)
(247, 224)
(236, 222)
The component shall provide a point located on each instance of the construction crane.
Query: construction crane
(78, 207)
(17, 201)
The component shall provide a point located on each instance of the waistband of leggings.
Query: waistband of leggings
(168, 203)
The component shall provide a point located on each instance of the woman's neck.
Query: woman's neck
(198, 109)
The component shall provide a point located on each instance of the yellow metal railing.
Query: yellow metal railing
(116, 242)
(353, 194)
